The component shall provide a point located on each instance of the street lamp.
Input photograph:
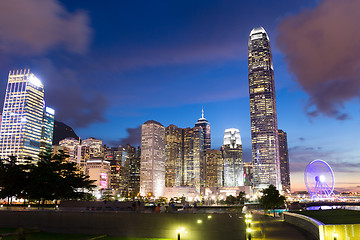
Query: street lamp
(249, 230)
(179, 231)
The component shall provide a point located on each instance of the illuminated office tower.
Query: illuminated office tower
(206, 130)
(233, 158)
(47, 130)
(214, 168)
(98, 170)
(193, 158)
(173, 164)
(134, 168)
(71, 144)
(284, 161)
(23, 115)
(95, 147)
(263, 115)
(152, 172)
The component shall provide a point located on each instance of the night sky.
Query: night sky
(109, 66)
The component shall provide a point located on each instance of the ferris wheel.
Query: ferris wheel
(319, 179)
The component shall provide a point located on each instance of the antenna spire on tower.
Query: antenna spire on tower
(202, 112)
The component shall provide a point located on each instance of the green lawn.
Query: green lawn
(334, 216)
(31, 235)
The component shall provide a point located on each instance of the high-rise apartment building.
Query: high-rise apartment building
(174, 159)
(284, 161)
(233, 158)
(152, 172)
(214, 168)
(263, 115)
(23, 117)
(206, 130)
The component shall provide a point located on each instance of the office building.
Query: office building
(174, 160)
(206, 130)
(284, 161)
(214, 168)
(95, 147)
(233, 158)
(47, 130)
(194, 159)
(263, 114)
(152, 172)
(23, 117)
(98, 170)
(71, 144)
(134, 169)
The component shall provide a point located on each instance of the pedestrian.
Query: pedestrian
(162, 208)
(157, 209)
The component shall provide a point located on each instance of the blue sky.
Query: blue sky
(108, 68)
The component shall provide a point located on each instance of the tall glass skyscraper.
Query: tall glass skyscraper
(202, 122)
(24, 117)
(233, 158)
(263, 115)
(284, 161)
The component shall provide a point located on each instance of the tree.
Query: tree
(53, 178)
(241, 198)
(271, 198)
(13, 177)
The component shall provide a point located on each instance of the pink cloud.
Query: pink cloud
(321, 46)
(32, 27)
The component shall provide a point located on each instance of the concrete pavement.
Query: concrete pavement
(269, 228)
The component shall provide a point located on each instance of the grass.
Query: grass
(36, 235)
(334, 216)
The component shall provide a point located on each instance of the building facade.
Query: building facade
(152, 172)
(214, 168)
(233, 158)
(194, 159)
(284, 162)
(174, 159)
(98, 170)
(206, 130)
(263, 114)
(23, 117)
(47, 130)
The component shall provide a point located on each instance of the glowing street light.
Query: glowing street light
(199, 221)
(180, 231)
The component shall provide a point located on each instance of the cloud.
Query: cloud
(33, 27)
(74, 104)
(321, 46)
(133, 138)
(301, 156)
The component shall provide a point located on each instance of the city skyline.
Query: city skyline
(165, 61)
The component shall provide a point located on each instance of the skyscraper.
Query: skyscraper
(284, 161)
(233, 158)
(174, 160)
(263, 115)
(23, 117)
(152, 172)
(193, 158)
(47, 130)
(206, 130)
(214, 168)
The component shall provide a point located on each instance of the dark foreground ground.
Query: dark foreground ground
(59, 225)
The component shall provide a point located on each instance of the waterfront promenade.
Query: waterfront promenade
(269, 228)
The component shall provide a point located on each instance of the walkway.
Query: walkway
(269, 228)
